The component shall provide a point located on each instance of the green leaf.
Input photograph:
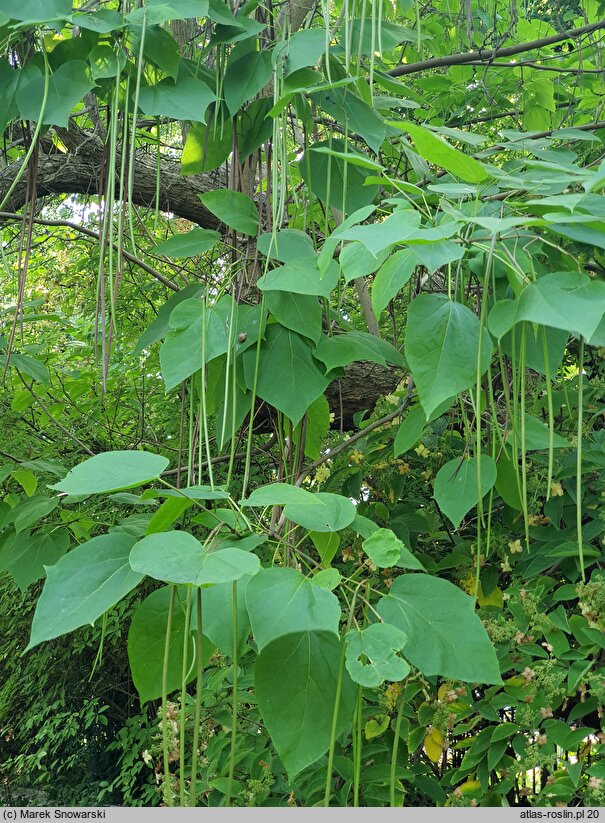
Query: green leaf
(232, 208)
(326, 175)
(569, 301)
(391, 277)
(177, 557)
(438, 644)
(160, 11)
(327, 544)
(380, 644)
(83, 585)
(317, 425)
(330, 513)
(287, 246)
(282, 601)
(217, 615)
(278, 494)
(147, 640)
(158, 328)
(301, 379)
(386, 550)
(207, 145)
(435, 255)
(304, 48)
(66, 87)
(102, 21)
(342, 349)
(254, 127)
(161, 49)
(186, 99)
(437, 150)
(383, 548)
(190, 244)
(28, 512)
(300, 278)
(410, 431)
(112, 471)
(28, 365)
(327, 579)
(245, 78)
(377, 237)
(168, 512)
(37, 11)
(537, 436)
(104, 62)
(9, 80)
(356, 261)
(442, 347)
(301, 670)
(31, 554)
(195, 330)
(456, 486)
(27, 480)
(353, 114)
(298, 312)
(366, 40)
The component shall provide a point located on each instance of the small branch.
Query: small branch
(7, 215)
(487, 55)
(346, 444)
(531, 64)
(53, 419)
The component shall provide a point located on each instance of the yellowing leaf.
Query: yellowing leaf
(470, 787)
(376, 726)
(494, 598)
(433, 745)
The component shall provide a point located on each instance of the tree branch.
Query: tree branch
(484, 56)
(7, 215)
(80, 173)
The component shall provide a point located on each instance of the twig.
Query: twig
(7, 215)
(486, 56)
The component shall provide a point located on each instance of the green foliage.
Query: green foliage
(303, 388)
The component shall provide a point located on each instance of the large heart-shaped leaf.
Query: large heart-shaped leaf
(569, 301)
(456, 486)
(177, 557)
(83, 585)
(279, 494)
(112, 471)
(245, 77)
(217, 615)
(190, 244)
(442, 348)
(295, 680)
(281, 601)
(147, 641)
(301, 277)
(232, 208)
(391, 277)
(330, 513)
(186, 99)
(445, 635)
(67, 85)
(198, 334)
(342, 349)
(301, 379)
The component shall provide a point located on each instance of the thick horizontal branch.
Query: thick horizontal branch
(6, 215)
(80, 172)
(485, 55)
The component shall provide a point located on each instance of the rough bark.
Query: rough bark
(361, 388)
(79, 172)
